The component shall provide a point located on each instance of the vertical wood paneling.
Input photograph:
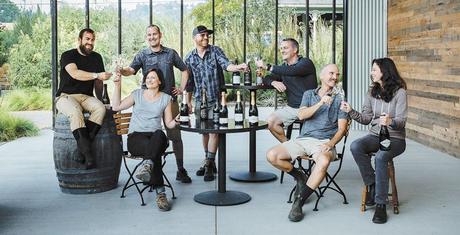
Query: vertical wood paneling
(367, 40)
(424, 42)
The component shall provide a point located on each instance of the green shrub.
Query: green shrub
(27, 99)
(13, 127)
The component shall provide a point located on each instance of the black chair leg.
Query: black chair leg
(288, 136)
(169, 185)
(131, 178)
(290, 194)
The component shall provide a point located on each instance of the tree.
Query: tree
(8, 11)
(30, 59)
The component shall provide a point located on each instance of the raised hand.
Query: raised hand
(104, 76)
(385, 119)
(345, 106)
(326, 99)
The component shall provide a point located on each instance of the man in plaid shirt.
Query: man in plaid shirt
(205, 64)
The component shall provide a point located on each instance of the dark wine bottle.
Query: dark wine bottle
(384, 139)
(253, 112)
(248, 77)
(105, 97)
(239, 118)
(236, 77)
(223, 115)
(203, 105)
(184, 117)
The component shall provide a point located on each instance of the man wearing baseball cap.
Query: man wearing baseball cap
(205, 64)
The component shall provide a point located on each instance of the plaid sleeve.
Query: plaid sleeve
(221, 58)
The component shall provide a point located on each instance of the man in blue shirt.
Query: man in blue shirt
(324, 126)
(205, 64)
(165, 59)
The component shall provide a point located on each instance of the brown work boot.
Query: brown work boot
(183, 177)
(200, 172)
(162, 202)
(209, 170)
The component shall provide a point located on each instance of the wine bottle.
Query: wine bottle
(184, 118)
(259, 75)
(238, 110)
(253, 112)
(236, 77)
(248, 77)
(384, 138)
(223, 115)
(203, 106)
(215, 113)
(105, 97)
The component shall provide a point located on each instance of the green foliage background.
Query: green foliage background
(29, 44)
(13, 127)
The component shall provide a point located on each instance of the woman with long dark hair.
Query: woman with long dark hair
(145, 135)
(384, 105)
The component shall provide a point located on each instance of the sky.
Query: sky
(127, 4)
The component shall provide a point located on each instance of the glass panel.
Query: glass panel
(104, 22)
(166, 14)
(71, 19)
(134, 20)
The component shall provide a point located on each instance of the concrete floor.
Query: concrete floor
(31, 201)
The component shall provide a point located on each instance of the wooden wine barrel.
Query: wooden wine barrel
(72, 176)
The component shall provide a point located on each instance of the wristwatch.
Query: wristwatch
(95, 76)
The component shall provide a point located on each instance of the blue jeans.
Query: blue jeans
(361, 150)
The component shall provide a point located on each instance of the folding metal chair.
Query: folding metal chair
(288, 136)
(330, 179)
(122, 124)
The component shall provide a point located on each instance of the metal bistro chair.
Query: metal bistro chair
(288, 136)
(393, 194)
(330, 180)
(122, 124)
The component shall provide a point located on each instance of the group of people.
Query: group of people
(324, 114)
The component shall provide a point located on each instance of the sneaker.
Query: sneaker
(144, 172)
(209, 170)
(183, 177)
(162, 202)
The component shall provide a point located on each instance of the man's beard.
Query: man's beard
(85, 50)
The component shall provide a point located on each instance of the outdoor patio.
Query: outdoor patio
(32, 203)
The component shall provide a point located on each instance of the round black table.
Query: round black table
(252, 175)
(222, 196)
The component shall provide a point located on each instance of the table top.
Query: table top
(209, 127)
(252, 87)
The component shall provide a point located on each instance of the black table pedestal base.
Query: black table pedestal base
(258, 176)
(229, 198)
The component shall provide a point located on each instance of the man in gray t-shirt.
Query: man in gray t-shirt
(165, 59)
(324, 126)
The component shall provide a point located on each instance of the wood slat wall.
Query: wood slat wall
(424, 41)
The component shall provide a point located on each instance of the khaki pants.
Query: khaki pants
(174, 134)
(73, 106)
